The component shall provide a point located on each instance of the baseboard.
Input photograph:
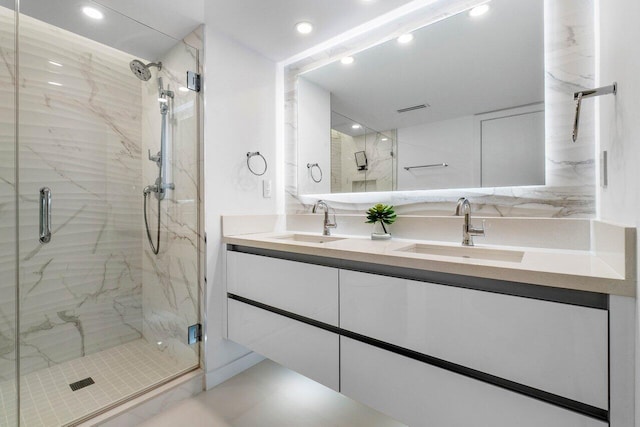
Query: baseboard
(232, 369)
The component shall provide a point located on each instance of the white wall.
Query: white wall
(488, 150)
(314, 133)
(619, 125)
(448, 141)
(240, 116)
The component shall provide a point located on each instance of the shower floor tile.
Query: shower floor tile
(47, 400)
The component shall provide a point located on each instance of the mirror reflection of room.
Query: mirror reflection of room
(460, 104)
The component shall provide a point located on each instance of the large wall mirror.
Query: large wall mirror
(491, 97)
(459, 104)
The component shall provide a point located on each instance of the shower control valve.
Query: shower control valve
(150, 189)
(157, 158)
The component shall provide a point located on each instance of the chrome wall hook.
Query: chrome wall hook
(579, 96)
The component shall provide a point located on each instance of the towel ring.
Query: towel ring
(256, 153)
(310, 166)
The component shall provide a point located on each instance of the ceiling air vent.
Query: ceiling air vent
(415, 107)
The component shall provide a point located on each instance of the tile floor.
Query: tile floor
(119, 372)
(268, 395)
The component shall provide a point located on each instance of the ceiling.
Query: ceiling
(266, 26)
(460, 66)
(177, 18)
(115, 30)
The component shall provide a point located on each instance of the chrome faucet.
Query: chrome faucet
(468, 230)
(326, 225)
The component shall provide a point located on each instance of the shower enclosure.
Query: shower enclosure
(91, 314)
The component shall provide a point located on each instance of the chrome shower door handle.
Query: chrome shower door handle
(45, 215)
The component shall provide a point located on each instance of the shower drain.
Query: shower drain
(81, 384)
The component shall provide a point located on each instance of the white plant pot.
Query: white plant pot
(378, 232)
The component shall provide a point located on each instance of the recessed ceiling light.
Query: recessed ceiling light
(479, 10)
(183, 89)
(384, 139)
(356, 126)
(92, 12)
(405, 38)
(57, 64)
(347, 60)
(304, 27)
(55, 83)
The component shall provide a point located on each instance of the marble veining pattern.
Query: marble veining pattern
(570, 168)
(381, 163)
(80, 136)
(170, 302)
(86, 137)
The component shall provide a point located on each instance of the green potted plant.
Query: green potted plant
(379, 215)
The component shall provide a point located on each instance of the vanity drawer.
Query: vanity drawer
(305, 289)
(311, 351)
(422, 395)
(558, 348)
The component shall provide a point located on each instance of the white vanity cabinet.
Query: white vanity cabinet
(559, 348)
(311, 351)
(422, 395)
(461, 351)
(306, 290)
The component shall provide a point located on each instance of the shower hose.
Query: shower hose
(154, 248)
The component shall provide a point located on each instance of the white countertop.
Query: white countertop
(570, 269)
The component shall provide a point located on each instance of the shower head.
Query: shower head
(141, 71)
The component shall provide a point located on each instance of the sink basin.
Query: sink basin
(309, 238)
(465, 252)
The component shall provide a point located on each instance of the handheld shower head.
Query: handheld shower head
(142, 71)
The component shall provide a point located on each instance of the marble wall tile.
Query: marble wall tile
(80, 135)
(570, 168)
(84, 133)
(569, 67)
(381, 164)
(171, 292)
(196, 40)
(554, 202)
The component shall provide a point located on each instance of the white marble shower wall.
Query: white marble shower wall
(381, 164)
(570, 168)
(80, 135)
(8, 397)
(170, 292)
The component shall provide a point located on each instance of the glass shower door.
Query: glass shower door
(102, 317)
(170, 278)
(8, 247)
(80, 253)
(381, 171)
